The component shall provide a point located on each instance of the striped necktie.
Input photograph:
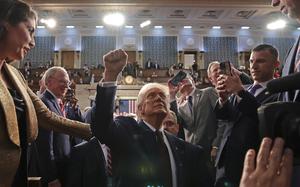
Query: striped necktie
(254, 88)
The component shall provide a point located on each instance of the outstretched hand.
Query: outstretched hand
(272, 168)
(114, 62)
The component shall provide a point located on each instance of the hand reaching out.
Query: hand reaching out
(114, 62)
(273, 166)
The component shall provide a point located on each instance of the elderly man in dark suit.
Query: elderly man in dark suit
(240, 112)
(143, 154)
(54, 148)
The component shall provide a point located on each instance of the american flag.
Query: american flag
(127, 106)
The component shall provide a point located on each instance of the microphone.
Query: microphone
(287, 83)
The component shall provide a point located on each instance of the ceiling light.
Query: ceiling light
(279, 24)
(145, 23)
(42, 20)
(99, 26)
(70, 27)
(158, 27)
(114, 19)
(187, 27)
(40, 26)
(245, 27)
(129, 27)
(51, 23)
(298, 28)
(216, 27)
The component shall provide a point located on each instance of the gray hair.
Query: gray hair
(144, 90)
(210, 65)
(52, 71)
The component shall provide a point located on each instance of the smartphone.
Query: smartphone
(225, 68)
(178, 78)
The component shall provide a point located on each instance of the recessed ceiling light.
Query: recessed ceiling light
(99, 26)
(70, 27)
(187, 27)
(158, 27)
(129, 27)
(114, 19)
(298, 28)
(279, 24)
(145, 23)
(50, 23)
(40, 26)
(245, 27)
(216, 27)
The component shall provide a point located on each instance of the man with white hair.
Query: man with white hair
(54, 148)
(143, 154)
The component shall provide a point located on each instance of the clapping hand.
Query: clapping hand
(114, 62)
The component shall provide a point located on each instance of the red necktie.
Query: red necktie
(62, 107)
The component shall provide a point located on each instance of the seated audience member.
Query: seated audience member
(156, 66)
(170, 123)
(272, 167)
(238, 106)
(143, 153)
(149, 64)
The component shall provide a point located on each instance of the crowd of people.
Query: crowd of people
(182, 137)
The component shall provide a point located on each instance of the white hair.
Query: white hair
(52, 71)
(145, 89)
(210, 65)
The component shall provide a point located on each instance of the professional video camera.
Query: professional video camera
(282, 119)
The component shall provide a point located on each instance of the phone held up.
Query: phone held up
(178, 78)
(225, 68)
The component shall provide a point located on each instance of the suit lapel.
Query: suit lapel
(9, 111)
(31, 118)
(147, 139)
(289, 62)
(53, 101)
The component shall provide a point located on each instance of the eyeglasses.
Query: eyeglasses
(63, 82)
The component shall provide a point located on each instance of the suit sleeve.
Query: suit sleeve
(245, 79)
(182, 125)
(103, 125)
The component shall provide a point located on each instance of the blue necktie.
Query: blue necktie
(254, 88)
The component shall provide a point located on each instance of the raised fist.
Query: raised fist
(114, 62)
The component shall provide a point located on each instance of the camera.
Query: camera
(281, 119)
(225, 68)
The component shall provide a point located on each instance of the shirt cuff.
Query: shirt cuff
(107, 84)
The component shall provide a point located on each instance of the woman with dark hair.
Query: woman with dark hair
(21, 111)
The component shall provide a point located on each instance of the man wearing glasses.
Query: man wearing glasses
(54, 148)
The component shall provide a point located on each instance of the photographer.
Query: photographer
(238, 106)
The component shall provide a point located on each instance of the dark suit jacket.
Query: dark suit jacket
(134, 151)
(54, 148)
(289, 69)
(241, 131)
(87, 166)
